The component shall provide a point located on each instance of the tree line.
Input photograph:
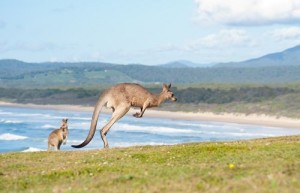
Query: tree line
(187, 95)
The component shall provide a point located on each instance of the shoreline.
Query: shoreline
(253, 119)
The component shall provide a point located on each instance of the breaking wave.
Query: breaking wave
(9, 121)
(32, 149)
(11, 137)
(48, 126)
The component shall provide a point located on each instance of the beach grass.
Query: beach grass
(262, 165)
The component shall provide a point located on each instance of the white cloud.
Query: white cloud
(248, 12)
(224, 38)
(289, 33)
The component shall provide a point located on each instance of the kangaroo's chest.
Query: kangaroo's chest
(137, 102)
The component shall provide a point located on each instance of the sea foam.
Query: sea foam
(48, 126)
(32, 149)
(9, 121)
(11, 137)
(151, 129)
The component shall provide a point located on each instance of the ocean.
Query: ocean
(27, 129)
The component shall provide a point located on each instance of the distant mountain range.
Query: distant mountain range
(185, 64)
(281, 67)
(288, 57)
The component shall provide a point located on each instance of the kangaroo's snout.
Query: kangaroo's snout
(173, 97)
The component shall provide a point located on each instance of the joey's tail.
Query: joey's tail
(101, 102)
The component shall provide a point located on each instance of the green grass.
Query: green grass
(264, 165)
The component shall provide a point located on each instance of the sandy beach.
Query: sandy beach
(253, 119)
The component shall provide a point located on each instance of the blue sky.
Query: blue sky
(146, 31)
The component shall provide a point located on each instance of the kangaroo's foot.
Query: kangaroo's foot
(137, 115)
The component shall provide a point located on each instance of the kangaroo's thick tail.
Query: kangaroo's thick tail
(101, 102)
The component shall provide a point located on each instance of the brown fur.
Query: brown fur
(120, 98)
(58, 136)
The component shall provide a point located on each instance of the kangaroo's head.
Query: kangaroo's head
(64, 124)
(167, 93)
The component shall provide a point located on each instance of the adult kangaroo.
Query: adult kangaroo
(120, 98)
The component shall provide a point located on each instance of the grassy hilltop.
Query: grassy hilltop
(263, 165)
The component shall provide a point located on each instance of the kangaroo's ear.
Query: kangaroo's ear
(169, 86)
(66, 120)
(165, 87)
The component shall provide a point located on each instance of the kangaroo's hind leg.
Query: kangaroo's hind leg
(118, 113)
(140, 115)
(58, 145)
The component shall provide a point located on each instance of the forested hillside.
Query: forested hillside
(185, 95)
(273, 100)
(281, 67)
(268, 84)
(89, 74)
